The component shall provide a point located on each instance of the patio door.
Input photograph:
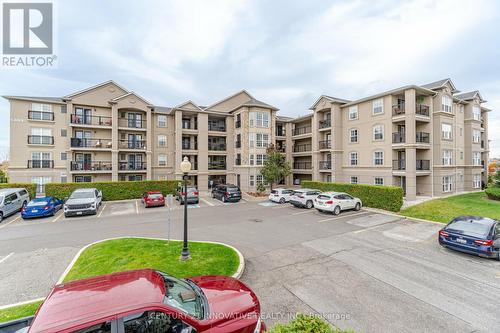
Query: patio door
(84, 161)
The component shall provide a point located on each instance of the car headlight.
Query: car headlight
(258, 326)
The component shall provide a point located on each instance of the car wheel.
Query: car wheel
(358, 206)
(309, 204)
(213, 195)
(282, 200)
(1, 216)
(224, 199)
(336, 211)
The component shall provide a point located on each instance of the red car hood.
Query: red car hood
(227, 297)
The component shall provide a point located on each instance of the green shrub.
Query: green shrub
(31, 188)
(375, 196)
(114, 190)
(304, 324)
(493, 193)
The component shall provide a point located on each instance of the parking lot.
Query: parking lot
(363, 270)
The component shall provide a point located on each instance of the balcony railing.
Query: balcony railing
(302, 148)
(399, 165)
(237, 144)
(398, 109)
(280, 132)
(91, 143)
(40, 140)
(190, 125)
(281, 149)
(132, 144)
(189, 145)
(217, 146)
(327, 144)
(132, 166)
(302, 130)
(216, 165)
(423, 165)
(422, 137)
(40, 115)
(302, 165)
(91, 166)
(91, 120)
(131, 123)
(237, 161)
(325, 123)
(325, 165)
(422, 110)
(398, 137)
(237, 123)
(40, 164)
(217, 127)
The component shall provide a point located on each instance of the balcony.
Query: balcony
(302, 165)
(327, 144)
(302, 148)
(281, 149)
(91, 120)
(423, 165)
(132, 144)
(301, 130)
(216, 124)
(132, 123)
(132, 166)
(420, 109)
(399, 165)
(325, 165)
(189, 125)
(91, 166)
(422, 137)
(217, 146)
(325, 123)
(187, 145)
(40, 140)
(280, 132)
(216, 165)
(398, 137)
(398, 110)
(40, 164)
(40, 115)
(91, 143)
(237, 144)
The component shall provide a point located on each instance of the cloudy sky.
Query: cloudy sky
(286, 53)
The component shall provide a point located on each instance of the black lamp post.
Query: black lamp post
(185, 168)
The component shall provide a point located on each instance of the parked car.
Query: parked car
(83, 201)
(472, 234)
(153, 199)
(304, 197)
(193, 196)
(226, 193)
(335, 202)
(149, 301)
(280, 195)
(41, 207)
(12, 200)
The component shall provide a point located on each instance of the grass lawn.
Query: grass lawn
(444, 210)
(134, 253)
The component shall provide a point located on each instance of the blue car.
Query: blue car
(41, 207)
(472, 234)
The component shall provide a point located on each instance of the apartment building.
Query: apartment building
(430, 139)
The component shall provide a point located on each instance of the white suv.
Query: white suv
(335, 202)
(304, 197)
(280, 195)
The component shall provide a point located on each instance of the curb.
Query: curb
(21, 303)
(381, 211)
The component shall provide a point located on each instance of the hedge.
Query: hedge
(493, 193)
(31, 188)
(114, 190)
(376, 196)
(305, 324)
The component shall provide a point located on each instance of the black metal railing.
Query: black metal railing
(302, 165)
(326, 144)
(423, 165)
(237, 144)
(40, 164)
(91, 166)
(237, 123)
(422, 110)
(325, 165)
(237, 161)
(40, 140)
(216, 165)
(325, 123)
(40, 115)
(132, 166)
(398, 109)
(132, 144)
(302, 130)
(91, 143)
(91, 120)
(302, 148)
(280, 132)
(189, 145)
(482, 144)
(281, 149)
(398, 165)
(398, 137)
(216, 127)
(190, 125)
(422, 137)
(132, 122)
(217, 146)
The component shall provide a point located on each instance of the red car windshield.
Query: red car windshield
(184, 296)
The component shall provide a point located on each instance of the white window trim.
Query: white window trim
(162, 158)
(378, 178)
(353, 110)
(375, 157)
(447, 184)
(381, 132)
(447, 104)
(447, 157)
(351, 178)
(160, 137)
(161, 116)
(351, 159)
(350, 135)
(476, 112)
(446, 135)
(378, 103)
(476, 181)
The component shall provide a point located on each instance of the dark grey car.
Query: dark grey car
(193, 196)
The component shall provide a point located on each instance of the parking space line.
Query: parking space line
(281, 206)
(207, 202)
(6, 257)
(102, 210)
(380, 225)
(58, 216)
(6, 224)
(340, 217)
(305, 212)
(137, 207)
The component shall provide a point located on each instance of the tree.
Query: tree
(276, 167)
(3, 177)
(496, 178)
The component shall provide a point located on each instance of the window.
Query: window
(354, 179)
(461, 131)
(251, 182)
(64, 133)
(259, 119)
(98, 328)
(41, 136)
(353, 135)
(461, 154)
(162, 121)
(353, 158)
(41, 160)
(162, 140)
(83, 179)
(41, 112)
(447, 157)
(476, 136)
(378, 158)
(64, 156)
(379, 181)
(378, 106)
(476, 181)
(261, 158)
(260, 179)
(64, 179)
(446, 104)
(476, 112)
(157, 321)
(378, 132)
(64, 109)
(162, 160)
(446, 131)
(353, 112)
(251, 159)
(476, 158)
(447, 184)
(251, 138)
(262, 140)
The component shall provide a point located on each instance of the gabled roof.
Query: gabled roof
(95, 87)
(256, 102)
(331, 99)
(284, 119)
(130, 94)
(36, 99)
(187, 103)
(470, 95)
(440, 84)
(229, 97)
(162, 109)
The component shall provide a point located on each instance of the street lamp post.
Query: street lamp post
(185, 168)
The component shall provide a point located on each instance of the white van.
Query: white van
(12, 200)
